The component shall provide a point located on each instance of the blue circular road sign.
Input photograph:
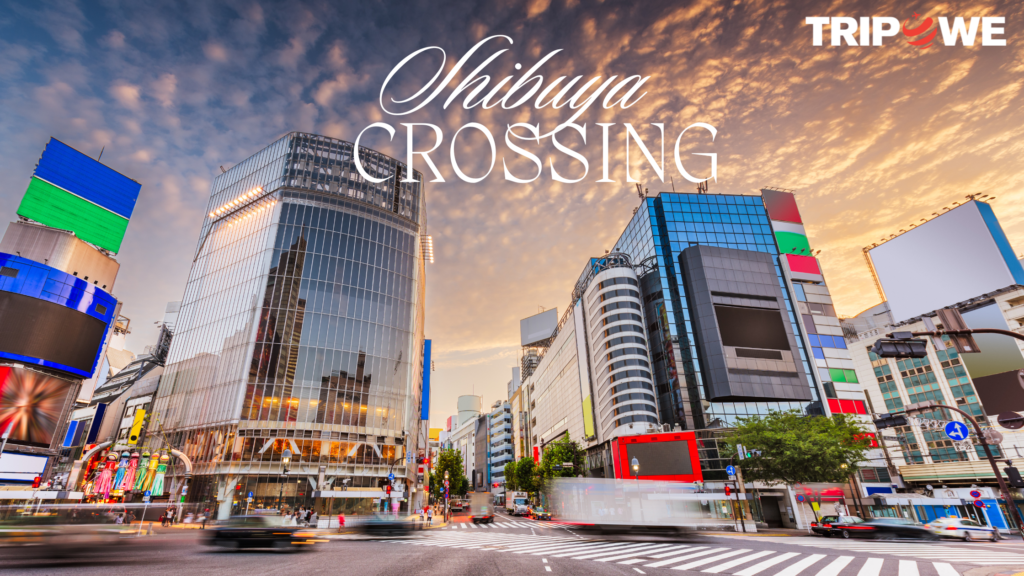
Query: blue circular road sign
(799, 497)
(956, 431)
(730, 470)
(250, 495)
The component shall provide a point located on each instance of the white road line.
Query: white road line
(794, 569)
(872, 567)
(945, 569)
(552, 548)
(630, 548)
(639, 570)
(659, 547)
(674, 550)
(547, 568)
(682, 550)
(706, 561)
(737, 562)
(908, 568)
(607, 546)
(472, 525)
(681, 558)
(834, 568)
(757, 568)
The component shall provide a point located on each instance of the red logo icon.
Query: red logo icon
(919, 30)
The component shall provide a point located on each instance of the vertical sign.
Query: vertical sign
(425, 396)
(584, 368)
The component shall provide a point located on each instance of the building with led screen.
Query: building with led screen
(300, 330)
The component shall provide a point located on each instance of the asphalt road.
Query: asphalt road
(518, 547)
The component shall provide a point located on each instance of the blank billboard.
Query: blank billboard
(36, 329)
(996, 369)
(751, 327)
(34, 404)
(538, 327)
(954, 257)
(669, 458)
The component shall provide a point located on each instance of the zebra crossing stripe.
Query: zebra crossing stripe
(682, 550)
(607, 546)
(733, 563)
(794, 569)
(552, 547)
(835, 567)
(631, 547)
(874, 565)
(674, 550)
(760, 567)
(908, 568)
(945, 569)
(706, 561)
(686, 557)
(632, 554)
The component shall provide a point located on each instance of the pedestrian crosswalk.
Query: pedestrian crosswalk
(953, 552)
(716, 558)
(502, 525)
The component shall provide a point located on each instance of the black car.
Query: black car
(884, 529)
(261, 532)
(826, 526)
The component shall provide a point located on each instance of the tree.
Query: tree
(564, 450)
(511, 480)
(450, 461)
(526, 479)
(796, 449)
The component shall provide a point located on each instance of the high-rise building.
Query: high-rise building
(301, 330)
(500, 450)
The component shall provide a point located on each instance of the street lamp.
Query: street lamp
(286, 459)
(635, 465)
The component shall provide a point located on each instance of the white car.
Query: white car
(962, 528)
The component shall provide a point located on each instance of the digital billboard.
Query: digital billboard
(996, 369)
(50, 318)
(34, 403)
(71, 191)
(959, 255)
(538, 327)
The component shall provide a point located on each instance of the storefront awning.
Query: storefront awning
(977, 470)
(915, 500)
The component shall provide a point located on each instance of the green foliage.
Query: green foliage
(797, 449)
(526, 479)
(511, 480)
(451, 461)
(560, 452)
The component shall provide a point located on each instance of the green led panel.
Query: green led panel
(793, 243)
(49, 205)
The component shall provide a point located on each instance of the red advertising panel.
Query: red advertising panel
(34, 403)
(671, 456)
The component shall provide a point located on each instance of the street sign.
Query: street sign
(249, 500)
(979, 503)
(391, 476)
(249, 496)
(1011, 420)
(975, 494)
(956, 431)
(147, 493)
(145, 498)
(800, 498)
(730, 470)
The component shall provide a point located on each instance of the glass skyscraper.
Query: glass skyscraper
(301, 329)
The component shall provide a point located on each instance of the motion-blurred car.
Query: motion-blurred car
(826, 526)
(261, 532)
(884, 529)
(45, 536)
(962, 528)
(384, 525)
(481, 507)
(539, 513)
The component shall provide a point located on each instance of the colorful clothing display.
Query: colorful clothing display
(105, 483)
(158, 480)
(154, 461)
(122, 467)
(128, 482)
(140, 475)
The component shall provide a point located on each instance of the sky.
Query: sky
(871, 139)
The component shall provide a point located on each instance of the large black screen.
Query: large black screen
(751, 328)
(40, 329)
(660, 458)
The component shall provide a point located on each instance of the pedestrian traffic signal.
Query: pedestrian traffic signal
(891, 421)
(911, 348)
(388, 489)
(728, 491)
(1014, 475)
(36, 481)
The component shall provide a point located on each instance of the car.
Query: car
(539, 513)
(963, 528)
(884, 529)
(260, 532)
(824, 527)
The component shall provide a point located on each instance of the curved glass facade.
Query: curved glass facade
(301, 327)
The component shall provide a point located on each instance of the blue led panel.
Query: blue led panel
(425, 403)
(67, 168)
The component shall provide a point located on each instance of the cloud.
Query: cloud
(215, 51)
(129, 95)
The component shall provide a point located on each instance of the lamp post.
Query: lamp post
(286, 459)
(635, 465)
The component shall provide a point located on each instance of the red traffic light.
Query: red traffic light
(36, 481)
(238, 487)
(728, 490)
(389, 490)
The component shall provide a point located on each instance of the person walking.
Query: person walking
(314, 519)
(206, 514)
(341, 521)
(430, 515)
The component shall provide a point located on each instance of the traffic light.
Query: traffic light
(238, 487)
(388, 489)
(728, 490)
(36, 481)
(891, 421)
(1014, 475)
(911, 348)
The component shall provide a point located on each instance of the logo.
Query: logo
(919, 32)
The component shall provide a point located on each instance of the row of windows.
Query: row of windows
(630, 374)
(638, 418)
(622, 317)
(614, 281)
(620, 292)
(633, 396)
(314, 220)
(827, 341)
(624, 328)
(624, 340)
(626, 304)
(632, 385)
(628, 362)
(625, 409)
(626, 351)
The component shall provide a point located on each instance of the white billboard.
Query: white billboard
(538, 327)
(946, 260)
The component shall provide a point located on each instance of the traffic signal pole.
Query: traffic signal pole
(1010, 504)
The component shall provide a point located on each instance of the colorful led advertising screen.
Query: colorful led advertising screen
(71, 191)
(34, 403)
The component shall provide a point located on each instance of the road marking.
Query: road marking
(630, 548)
(794, 569)
(639, 570)
(908, 568)
(544, 560)
(835, 567)
(674, 550)
(705, 561)
(606, 546)
(632, 554)
(473, 525)
(682, 550)
(681, 558)
(757, 568)
(737, 562)
(872, 567)
(945, 569)
(548, 568)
